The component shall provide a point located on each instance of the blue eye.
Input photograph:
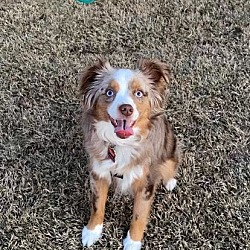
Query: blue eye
(109, 93)
(139, 93)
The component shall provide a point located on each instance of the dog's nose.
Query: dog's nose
(126, 109)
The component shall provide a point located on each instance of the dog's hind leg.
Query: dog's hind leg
(168, 171)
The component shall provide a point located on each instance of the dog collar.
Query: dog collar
(116, 175)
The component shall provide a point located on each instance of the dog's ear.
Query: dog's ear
(89, 80)
(157, 72)
(159, 75)
(89, 75)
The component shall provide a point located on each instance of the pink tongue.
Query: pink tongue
(123, 130)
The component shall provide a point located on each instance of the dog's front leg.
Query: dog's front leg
(92, 232)
(144, 194)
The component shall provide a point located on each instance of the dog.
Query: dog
(129, 140)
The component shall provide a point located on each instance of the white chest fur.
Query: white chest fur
(107, 168)
(125, 151)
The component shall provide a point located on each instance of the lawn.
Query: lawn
(44, 188)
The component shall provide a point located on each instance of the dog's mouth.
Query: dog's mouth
(123, 127)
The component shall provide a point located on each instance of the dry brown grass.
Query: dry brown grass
(43, 179)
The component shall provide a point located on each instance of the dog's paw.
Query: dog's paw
(170, 184)
(89, 237)
(129, 244)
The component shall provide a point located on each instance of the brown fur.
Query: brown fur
(157, 152)
(143, 106)
(99, 189)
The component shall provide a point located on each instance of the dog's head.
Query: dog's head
(127, 99)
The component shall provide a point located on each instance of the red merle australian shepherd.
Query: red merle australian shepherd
(129, 140)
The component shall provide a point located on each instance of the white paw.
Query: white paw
(170, 184)
(89, 237)
(129, 244)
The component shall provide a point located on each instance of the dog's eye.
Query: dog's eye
(139, 93)
(109, 93)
